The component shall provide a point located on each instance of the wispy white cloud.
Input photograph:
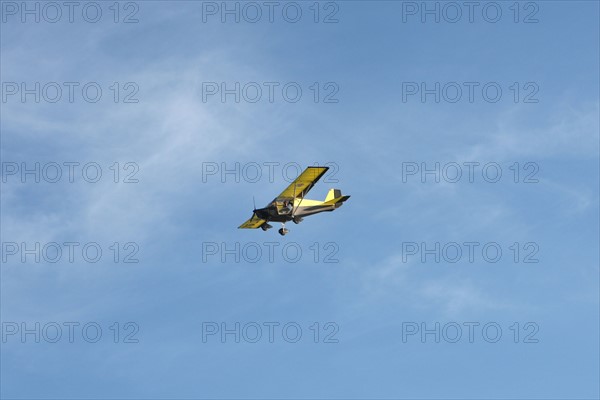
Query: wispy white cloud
(429, 288)
(568, 132)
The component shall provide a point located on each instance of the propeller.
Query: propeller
(254, 214)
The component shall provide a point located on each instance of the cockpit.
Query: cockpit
(284, 207)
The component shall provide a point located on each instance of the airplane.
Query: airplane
(291, 205)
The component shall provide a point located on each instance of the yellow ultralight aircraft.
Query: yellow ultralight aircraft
(291, 205)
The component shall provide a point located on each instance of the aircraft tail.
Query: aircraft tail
(335, 198)
(333, 194)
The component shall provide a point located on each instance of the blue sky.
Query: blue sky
(378, 289)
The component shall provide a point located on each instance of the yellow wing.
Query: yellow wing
(303, 183)
(252, 223)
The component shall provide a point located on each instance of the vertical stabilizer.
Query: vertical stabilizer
(333, 194)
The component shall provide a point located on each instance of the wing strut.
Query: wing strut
(300, 202)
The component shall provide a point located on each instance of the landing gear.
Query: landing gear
(297, 220)
(265, 227)
(283, 230)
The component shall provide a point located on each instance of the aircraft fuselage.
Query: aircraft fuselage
(284, 214)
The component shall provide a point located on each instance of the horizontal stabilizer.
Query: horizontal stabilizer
(337, 202)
